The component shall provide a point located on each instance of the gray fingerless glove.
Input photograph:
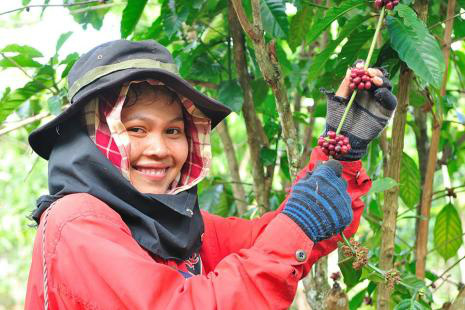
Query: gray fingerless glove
(319, 202)
(368, 116)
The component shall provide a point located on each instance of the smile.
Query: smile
(152, 173)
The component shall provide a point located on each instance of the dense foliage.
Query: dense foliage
(314, 43)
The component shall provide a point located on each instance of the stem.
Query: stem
(367, 63)
(371, 266)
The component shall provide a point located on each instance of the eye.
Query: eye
(135, 129)
(174, 131)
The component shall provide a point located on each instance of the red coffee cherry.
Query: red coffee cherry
(360, 79)
(333, 144)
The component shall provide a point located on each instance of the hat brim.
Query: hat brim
(44, 138)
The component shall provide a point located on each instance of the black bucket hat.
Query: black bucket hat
(112, 64)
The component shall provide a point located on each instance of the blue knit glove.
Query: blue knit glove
(319, 202)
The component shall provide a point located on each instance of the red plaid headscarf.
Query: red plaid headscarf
(105, 128)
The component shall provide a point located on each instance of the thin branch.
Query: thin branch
(450, 268)
(447, 189)
(240, 13)
(233, 165)
(17, 65)
(316, 5)
(16, 125)
(95, 8)
(27, 7)
(444, 21)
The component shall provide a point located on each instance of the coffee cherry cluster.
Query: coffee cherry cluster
(389, 4)
(334, 145)
(360, 79)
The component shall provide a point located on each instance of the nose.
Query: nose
(156, 146)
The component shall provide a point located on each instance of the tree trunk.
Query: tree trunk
(422, 237)
(271, 70)
(316, 284)
(391, 196)
(233, 165)
(256, 137)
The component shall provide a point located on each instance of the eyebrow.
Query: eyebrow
(142, 117)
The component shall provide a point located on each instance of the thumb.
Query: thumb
(335, 165)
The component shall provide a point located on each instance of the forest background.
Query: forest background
(268, 65)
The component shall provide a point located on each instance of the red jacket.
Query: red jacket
(94, 263)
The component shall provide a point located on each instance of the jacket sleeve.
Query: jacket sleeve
(94, 263)
(247, 231)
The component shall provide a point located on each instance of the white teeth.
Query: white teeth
(153, 171)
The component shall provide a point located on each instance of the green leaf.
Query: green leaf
(131, 15)
(320, 60)
(172, 21)
(351, 276)
(300, 23)
(356, 301)
(409, 304)
(410, 183)
(331, 15)
(416, 46)
(267, 156)
(274, 18)
(21, 60)
(62, 39)
(230, 94)
(12, 100)
(448, 232)
(22, 49)
(54, 105)
(351, 50)
(381, 185)
(25, 2)
(69, 61)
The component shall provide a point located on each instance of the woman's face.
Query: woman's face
(159, 146)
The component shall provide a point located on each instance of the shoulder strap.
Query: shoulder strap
(44, 263)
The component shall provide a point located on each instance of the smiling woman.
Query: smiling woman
(124, 163)
(155, 125)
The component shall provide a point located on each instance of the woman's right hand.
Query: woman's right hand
(319, 202)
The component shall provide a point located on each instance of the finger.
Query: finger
(335, 165)
(375, 72)
(377, 81)
(386, 98)
(386, 83)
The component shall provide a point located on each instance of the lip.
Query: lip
(145, 171)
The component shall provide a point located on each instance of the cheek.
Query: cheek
(182, 150)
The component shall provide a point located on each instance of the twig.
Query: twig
(27, 7)
(95, 8)
(17, 65)
(447, 19)
(450, 268)
(450, 188)
(240, 13)
(316, 5)
(16, 125)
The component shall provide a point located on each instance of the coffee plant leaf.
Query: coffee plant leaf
(131, 15)
(321, 59)
(331, 15)
(409, 183)
(416, 46)
(274, 18)
(448, 232)
(300, 23)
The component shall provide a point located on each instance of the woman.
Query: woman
(121, 228)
